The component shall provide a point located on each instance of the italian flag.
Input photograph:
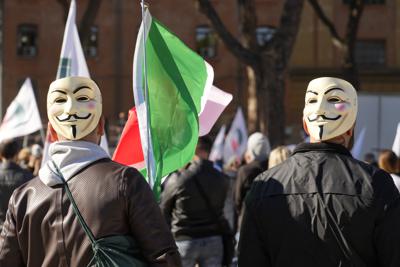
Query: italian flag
(178, 82)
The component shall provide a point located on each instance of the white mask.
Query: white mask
(330, 108)
(74, 106)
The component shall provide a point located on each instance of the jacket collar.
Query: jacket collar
(322, 147)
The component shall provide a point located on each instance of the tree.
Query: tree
(87, 20)
(347, 43)
(266, 65)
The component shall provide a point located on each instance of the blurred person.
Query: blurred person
(388, 162)
(35, 159)
(278, 155)
(42, 228)
(11, 174)
(196, 230)
(322, 207)
(370, 159)
(256, 161)
(23, 157)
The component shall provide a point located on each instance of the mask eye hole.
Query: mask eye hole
(312, 101)
(60, 100)
(334, 100)
(83, 98)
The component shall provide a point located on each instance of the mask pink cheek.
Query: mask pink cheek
(92, 106)
(341, 106)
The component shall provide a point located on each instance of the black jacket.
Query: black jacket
(184, 207)
(318, 206)
(245, 177)
(11, 176)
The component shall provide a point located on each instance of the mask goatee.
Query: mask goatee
(73, 130)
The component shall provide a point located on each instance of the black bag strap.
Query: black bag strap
(343, 245)
(78, 214)
(208, 203)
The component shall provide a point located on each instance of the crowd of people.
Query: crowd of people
(312, 205)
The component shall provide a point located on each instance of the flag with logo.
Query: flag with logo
(72, 63)
(236, 139)
(22, 116)
(178, 82)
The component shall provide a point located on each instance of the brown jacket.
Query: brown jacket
(41, 228)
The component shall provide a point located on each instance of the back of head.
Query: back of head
(74, 106)
(278, 155)
(330, 108)
(258, 147)
(9, 149)
(203, 147)
(388, 161)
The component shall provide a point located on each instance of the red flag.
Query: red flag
(129, 149)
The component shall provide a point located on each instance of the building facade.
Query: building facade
(32, 33)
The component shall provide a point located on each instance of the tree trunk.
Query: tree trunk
(270, 92)
(253, 109)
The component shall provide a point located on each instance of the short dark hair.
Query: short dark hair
(204, 144)
(9, 148)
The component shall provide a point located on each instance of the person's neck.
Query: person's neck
(340, 140)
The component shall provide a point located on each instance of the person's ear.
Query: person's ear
(52, 133)
(100, 126)
(305, 127)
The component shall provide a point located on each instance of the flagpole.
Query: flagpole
(150, 173)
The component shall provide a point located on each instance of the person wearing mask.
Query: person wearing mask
(185, 203)
(11, 174)
(322, 207)
(42, 228)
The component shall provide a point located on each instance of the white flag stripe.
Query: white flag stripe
(236, 139)
(216, 103)
(218, 146)
(22, 116)
(138, 92)
(396, 143)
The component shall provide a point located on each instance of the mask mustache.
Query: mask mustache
(73, 116)
(324, 117)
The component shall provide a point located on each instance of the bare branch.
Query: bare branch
(284, 39)
(230, 41)
(337, 40)
(248, 24)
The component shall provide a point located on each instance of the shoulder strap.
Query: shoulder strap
(75, 207)
(343, 245)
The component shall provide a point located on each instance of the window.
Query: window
(370, 53)
(367, 2)
(27, 40)
(264, 34)
(91, 44)
(206, 42)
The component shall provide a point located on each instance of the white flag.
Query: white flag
(72, 63)
(72, 60)
(358, 145)
(218, 146)
(236, 139)
(217, 100)
(22, 116)
(396, 143)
